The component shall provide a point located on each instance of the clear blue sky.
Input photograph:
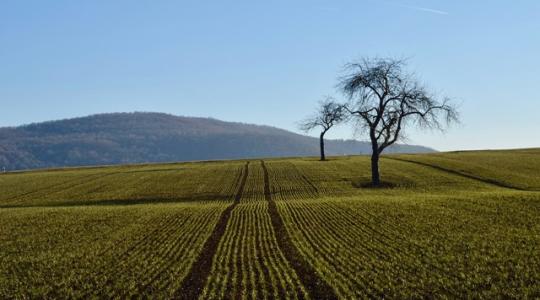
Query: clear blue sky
(269, 62)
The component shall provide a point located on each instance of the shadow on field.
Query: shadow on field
(366, 183)
(369, 185)
(122, 202)
(490, 181)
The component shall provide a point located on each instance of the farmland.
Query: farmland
(454, 225)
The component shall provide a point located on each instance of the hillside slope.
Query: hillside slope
(122, 138)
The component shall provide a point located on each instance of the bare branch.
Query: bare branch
(329, 114)
(386, 100)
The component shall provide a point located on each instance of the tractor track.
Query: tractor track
(310, 279)
(193, 284)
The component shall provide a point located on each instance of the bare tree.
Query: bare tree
(384, 100)
(328, 115)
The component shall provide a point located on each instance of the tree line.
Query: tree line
(382, 99)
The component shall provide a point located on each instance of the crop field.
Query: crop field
(516, 169)
(450, 225)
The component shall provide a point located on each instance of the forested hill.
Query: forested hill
(121, 138)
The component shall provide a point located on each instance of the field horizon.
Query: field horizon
(451, 225)
(314, 157)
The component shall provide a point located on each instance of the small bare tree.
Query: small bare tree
(327, 116)
(384, 99)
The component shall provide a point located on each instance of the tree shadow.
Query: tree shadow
(392, 183)
(369, 185)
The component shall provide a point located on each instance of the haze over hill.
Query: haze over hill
(121, 138)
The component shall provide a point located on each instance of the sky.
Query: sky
(270, 62)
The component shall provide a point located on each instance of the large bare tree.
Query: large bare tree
(385, 99)
(329, 114)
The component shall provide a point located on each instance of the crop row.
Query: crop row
(300, 178)
(435, 234)
(249, 262)
(518, 169)
(418, 251)
(105, 252)
(182, 182)
(403, 243)
(287, 181)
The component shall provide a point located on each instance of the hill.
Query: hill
(453, 225)
(122, 138)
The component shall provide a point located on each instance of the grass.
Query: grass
(113, 251)
(454, 225)
(517, 169)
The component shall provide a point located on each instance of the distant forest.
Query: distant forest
(122, 138)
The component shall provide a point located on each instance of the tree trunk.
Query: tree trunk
(375, 177)
(323, 157)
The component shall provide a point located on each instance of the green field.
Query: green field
(452, 225)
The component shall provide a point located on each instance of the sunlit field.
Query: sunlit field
(455, 225)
